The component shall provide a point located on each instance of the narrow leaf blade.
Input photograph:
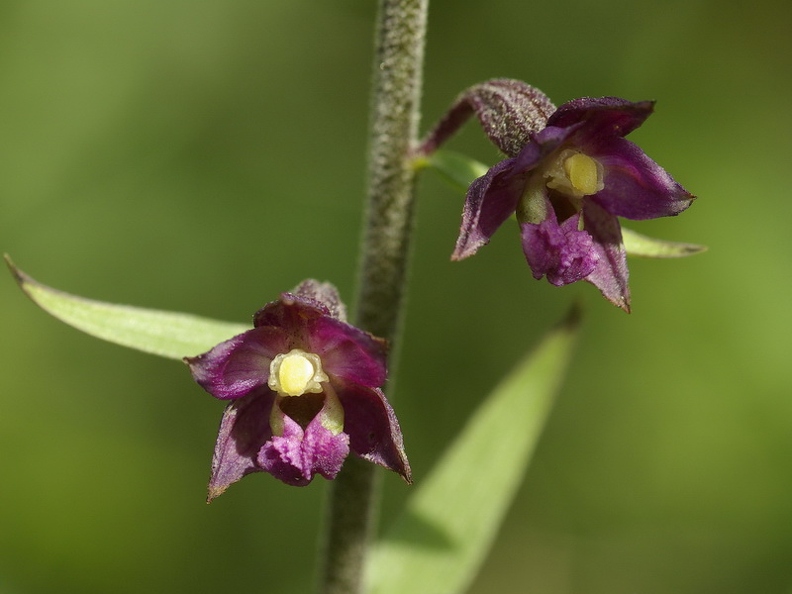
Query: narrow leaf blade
(168, 334)
(449, 523)
(649, 247)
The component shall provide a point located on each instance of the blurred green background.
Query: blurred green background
(204, 156)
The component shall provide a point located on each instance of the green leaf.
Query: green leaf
(648, 247)
(454, 167)
(449, 523)
(164, 333)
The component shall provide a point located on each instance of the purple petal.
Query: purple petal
(635, 186)
(491, 200)
(562, 252)
(244, 429)
(374, 432)
(348, 352)
(297, 455)
(509, 112)
(602, 116)
(237, 366)
(610, 275)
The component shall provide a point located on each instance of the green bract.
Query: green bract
(649, 247)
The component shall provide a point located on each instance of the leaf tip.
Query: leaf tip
(694, 248)
(21, 279)
(15, 272)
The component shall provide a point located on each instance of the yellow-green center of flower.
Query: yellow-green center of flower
(296, 373)
(571, 174)
(575, 174)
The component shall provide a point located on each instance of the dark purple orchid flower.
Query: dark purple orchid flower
(569, 175)
(305, 390)
(568, 185)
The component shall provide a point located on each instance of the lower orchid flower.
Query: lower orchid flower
(305, 389)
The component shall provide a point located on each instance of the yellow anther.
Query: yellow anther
(296, 373)
(583, 173)
(574, 174)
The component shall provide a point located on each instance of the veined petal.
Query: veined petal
(635, 186)
(490, 200)
(562, 252)
(244, 429)
(374, 432)
(610, 275)
(348, 352)
(239, 365)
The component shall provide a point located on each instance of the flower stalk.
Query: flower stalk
(396, 91)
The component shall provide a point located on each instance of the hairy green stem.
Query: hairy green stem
(401, 31)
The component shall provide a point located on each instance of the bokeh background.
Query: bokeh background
(204, 156)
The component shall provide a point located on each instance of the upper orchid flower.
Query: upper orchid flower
(569, 175)
(305, 387)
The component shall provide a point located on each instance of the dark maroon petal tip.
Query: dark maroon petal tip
(490, 201)
(374, 432)
(244, 429)
(636, 187)
(610, 275)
